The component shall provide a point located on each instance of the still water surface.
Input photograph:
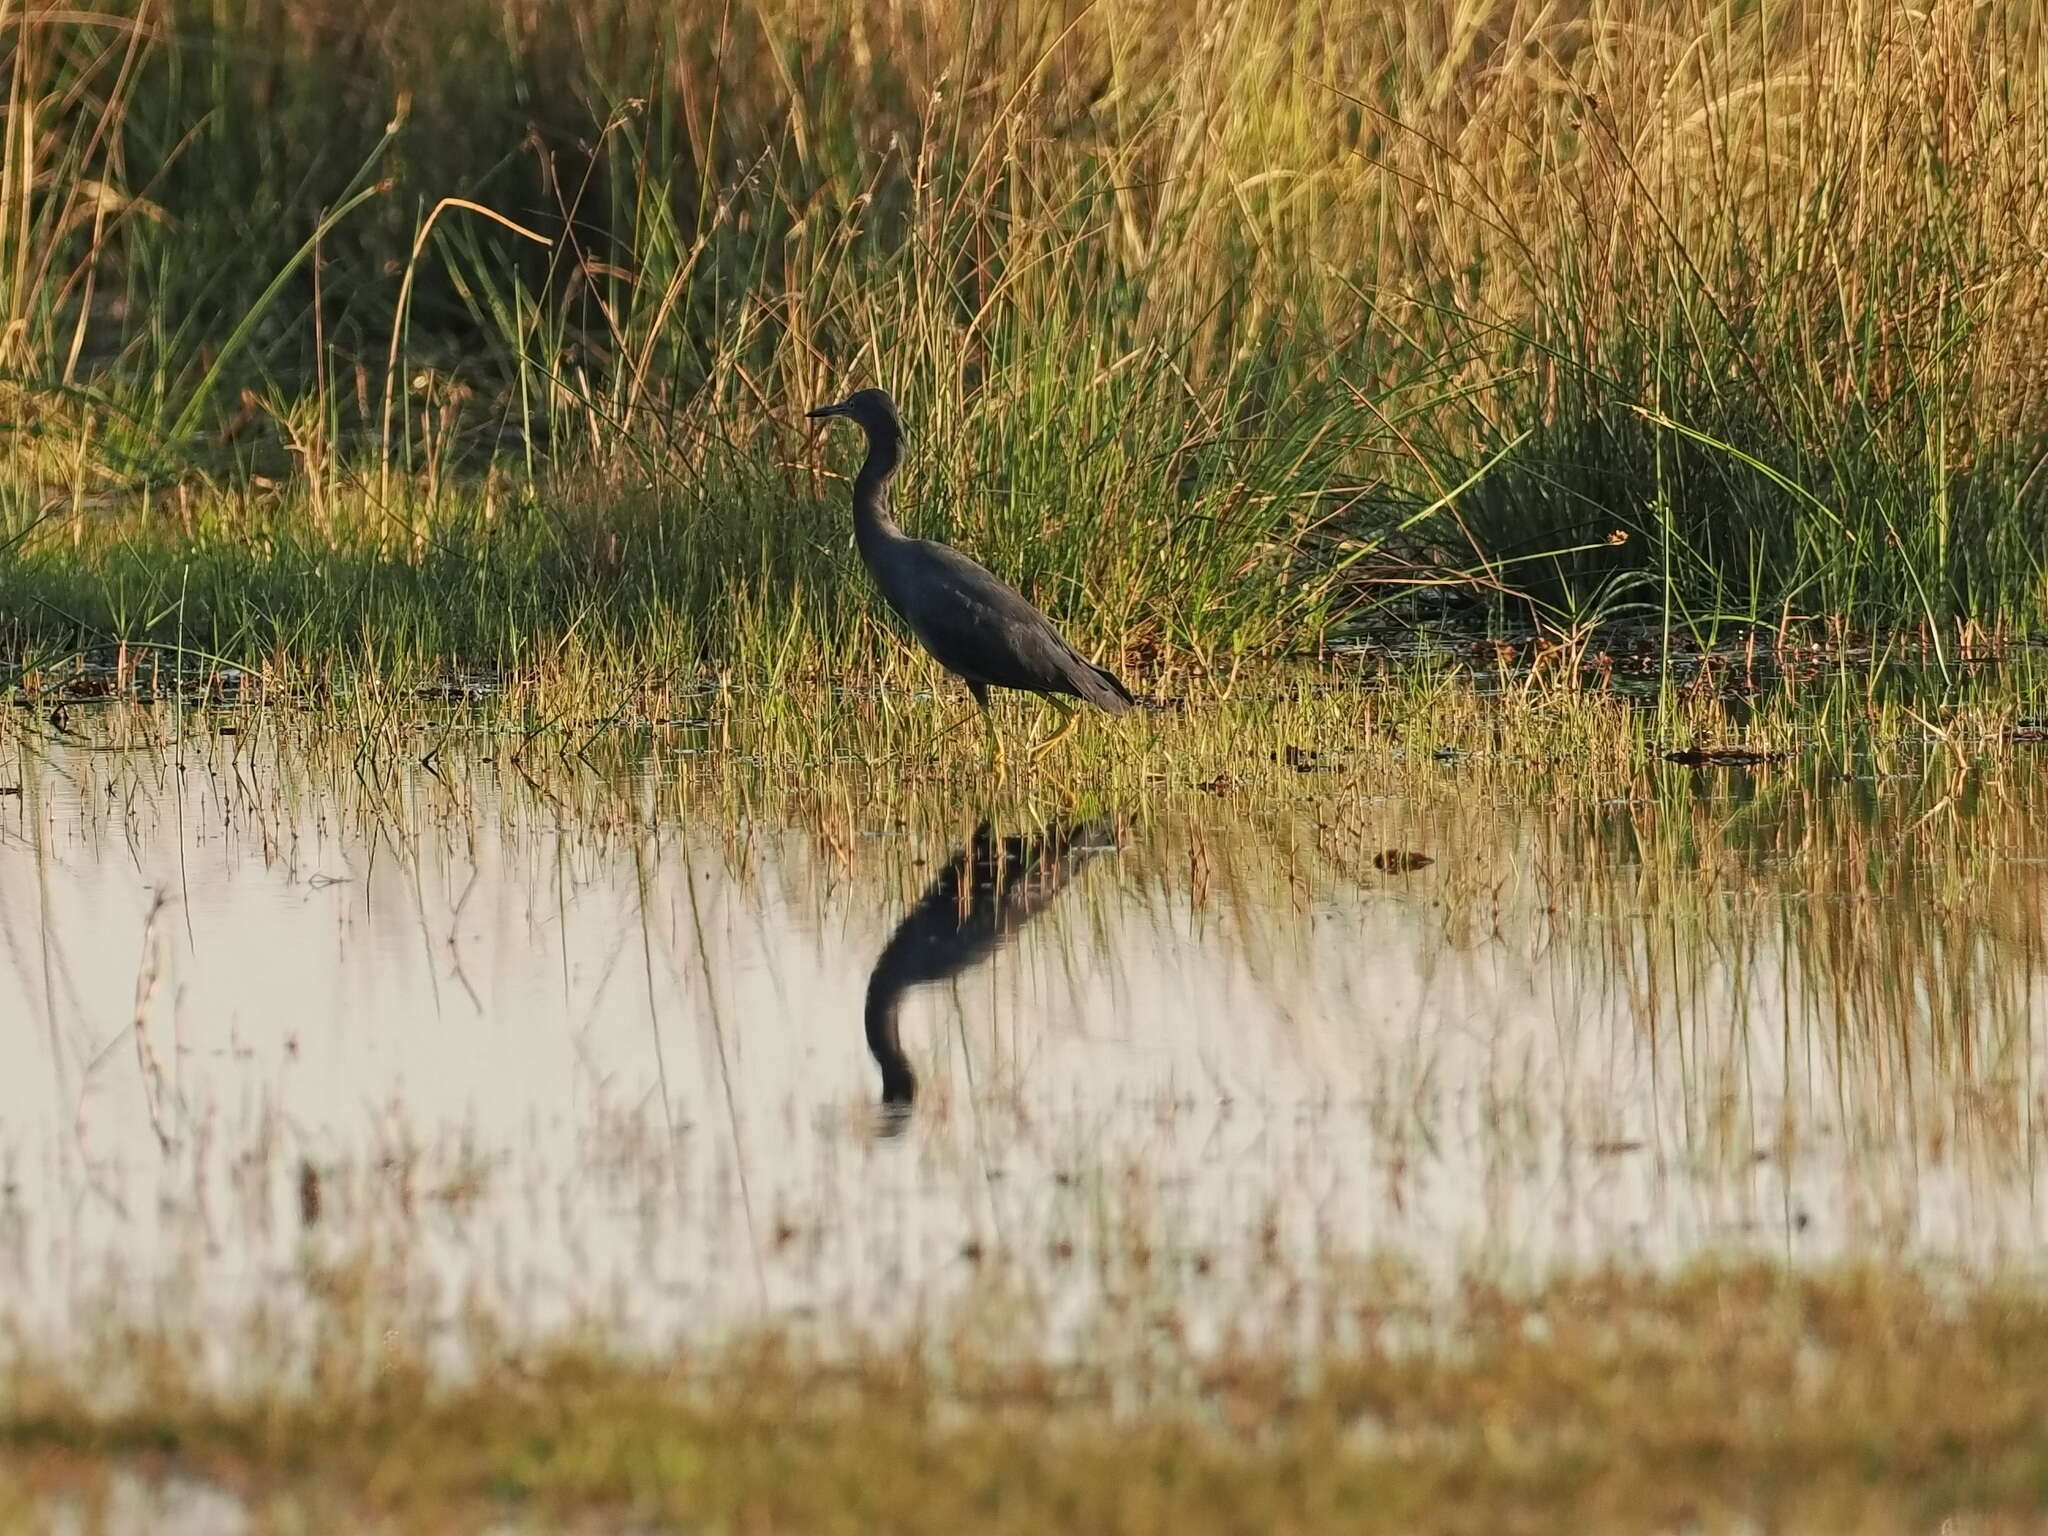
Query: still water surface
(618, 1043)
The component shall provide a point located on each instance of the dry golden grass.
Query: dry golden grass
(1720, 1400)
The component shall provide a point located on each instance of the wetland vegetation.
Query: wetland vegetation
(531, 1015)
(470, 334)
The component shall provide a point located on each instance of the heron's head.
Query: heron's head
(871, 409)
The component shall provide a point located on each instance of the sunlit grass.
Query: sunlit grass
(1579, 315)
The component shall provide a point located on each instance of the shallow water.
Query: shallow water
(597, 1046)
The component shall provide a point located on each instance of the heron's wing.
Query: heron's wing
(979, 626)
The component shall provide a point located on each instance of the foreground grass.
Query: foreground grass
(1717, 1400)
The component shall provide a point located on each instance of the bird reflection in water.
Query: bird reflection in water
(987, 891)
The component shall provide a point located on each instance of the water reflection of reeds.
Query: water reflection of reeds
(606, 1020)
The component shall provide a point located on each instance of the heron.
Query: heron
(975, 625)
(988, 890)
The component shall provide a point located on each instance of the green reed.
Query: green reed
(487, 330)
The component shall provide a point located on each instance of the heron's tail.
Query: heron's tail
(1099, 686)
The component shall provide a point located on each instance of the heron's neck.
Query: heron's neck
(872, 523)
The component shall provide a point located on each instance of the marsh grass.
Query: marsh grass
(457, 332)
(1588, 720)
(1718, 1399)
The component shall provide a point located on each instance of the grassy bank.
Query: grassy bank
(455, 331)
(1722, 1400)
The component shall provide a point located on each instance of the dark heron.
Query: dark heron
(975, 624)
(987, 891)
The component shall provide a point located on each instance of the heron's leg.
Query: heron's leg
(1069, 718)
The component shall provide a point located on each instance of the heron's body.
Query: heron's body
(974, 624)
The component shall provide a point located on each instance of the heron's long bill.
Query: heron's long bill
(827, 410)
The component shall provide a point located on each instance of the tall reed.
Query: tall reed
(1217, 324)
